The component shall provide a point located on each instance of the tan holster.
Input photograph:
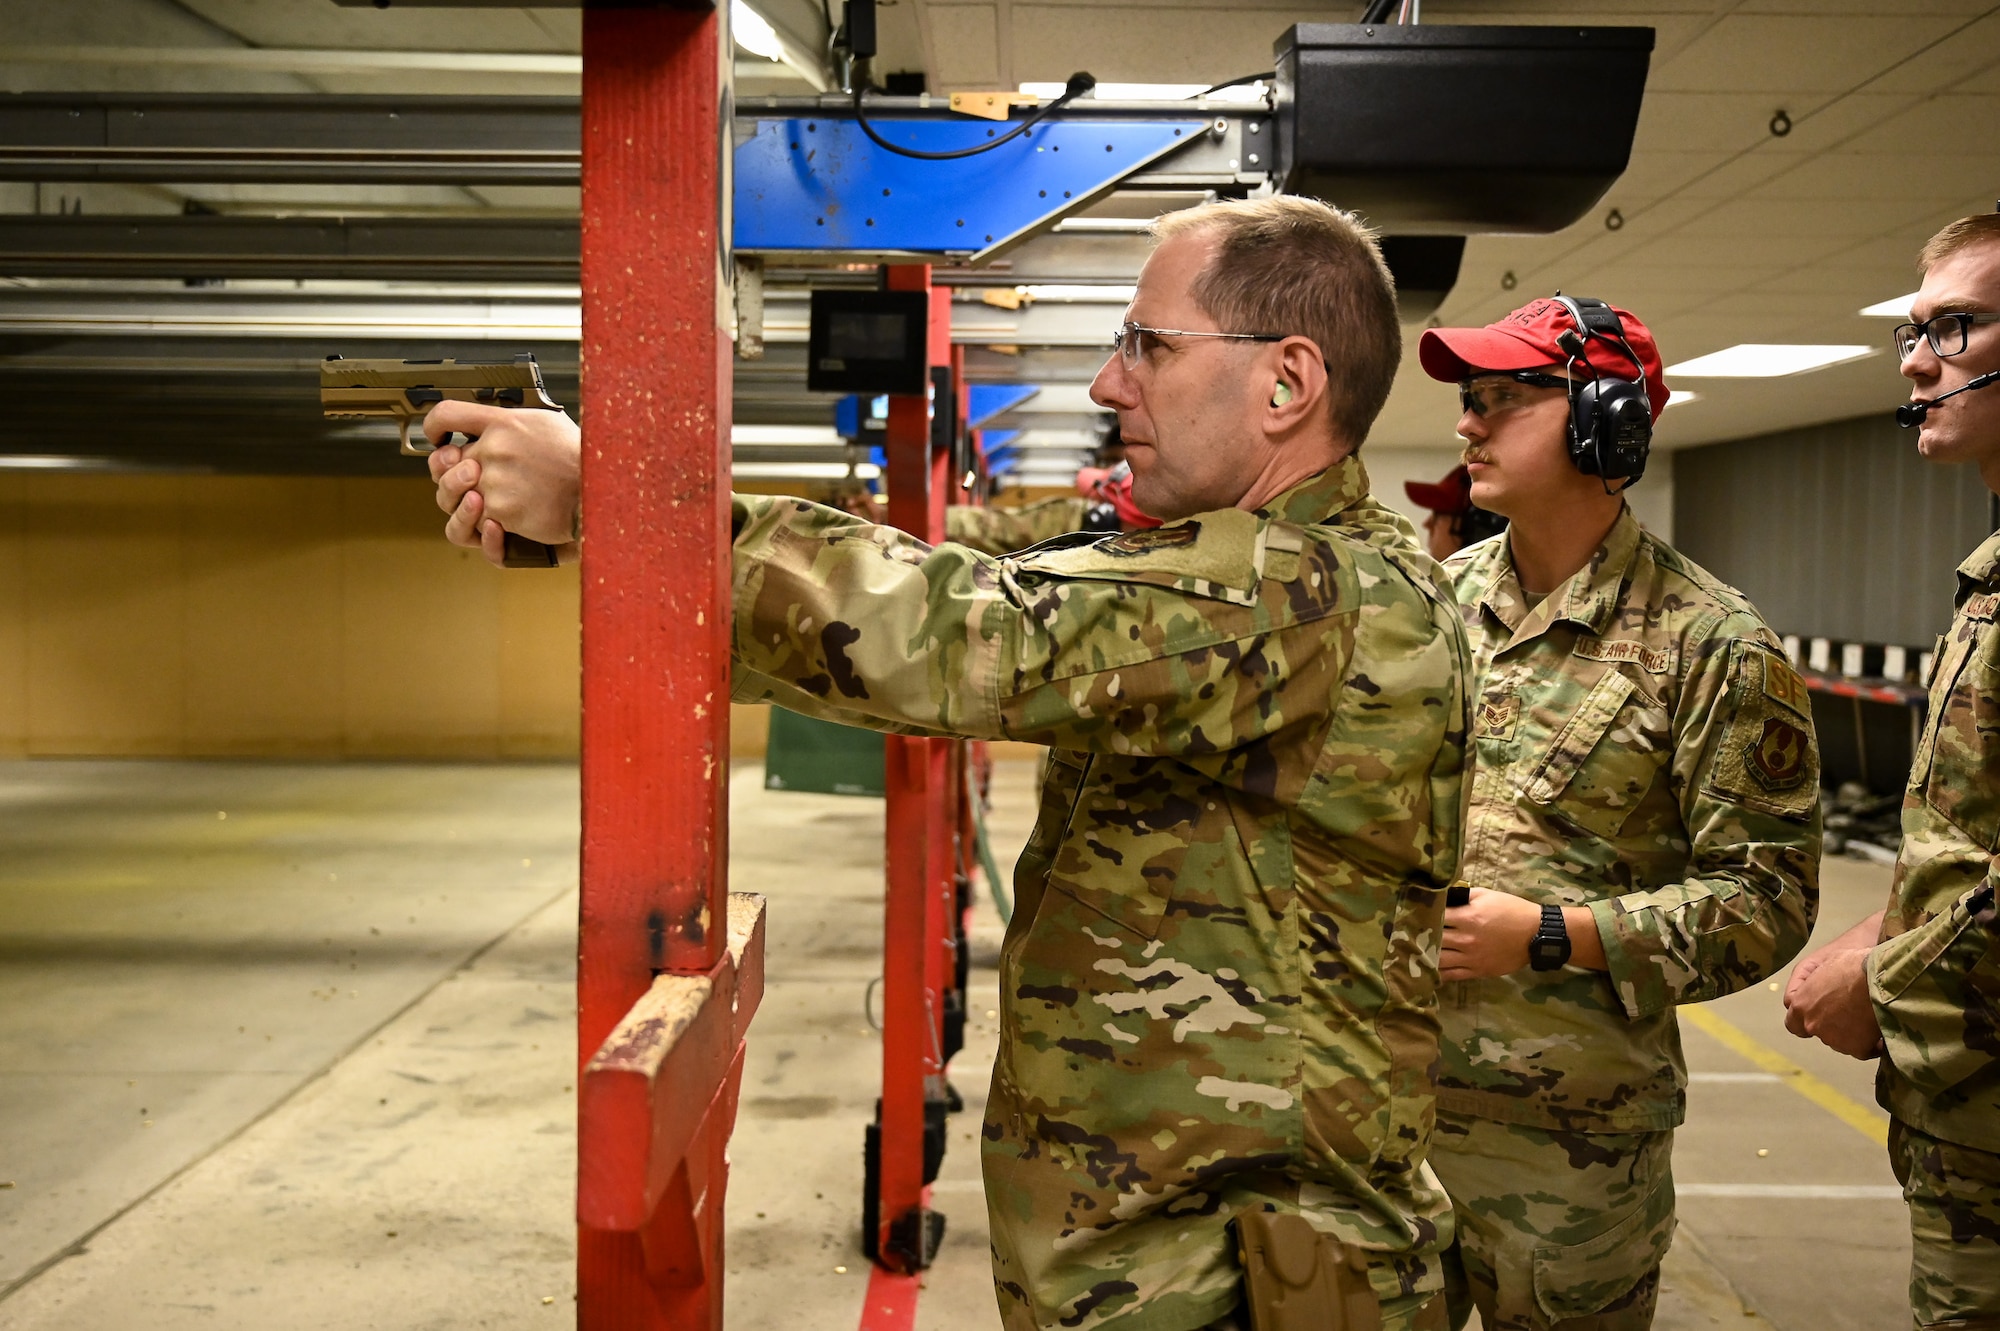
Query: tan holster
(1298, 1279)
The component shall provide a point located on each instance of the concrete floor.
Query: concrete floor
(310, 1064)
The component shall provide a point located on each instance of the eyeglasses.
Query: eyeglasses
(1130, 340)
(1945, 332)
(1491, 394)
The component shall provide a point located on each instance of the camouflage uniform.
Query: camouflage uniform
(1219, 987)
(1935, 979)
(1002, 531)
(1640, 748)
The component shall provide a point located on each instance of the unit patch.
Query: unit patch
(1653, 660)
(1497, 714)
(1981, 606)
(1783, 685)
(1146, 542)
(1777, 758)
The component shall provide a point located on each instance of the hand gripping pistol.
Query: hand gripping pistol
(407, 389)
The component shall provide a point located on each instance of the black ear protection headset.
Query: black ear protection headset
(1610, 419)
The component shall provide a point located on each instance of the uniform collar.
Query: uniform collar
(1320, 496)
(1982, 565)
(1589, 598)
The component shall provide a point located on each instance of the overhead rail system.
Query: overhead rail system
(1435, 132)
(688, 296)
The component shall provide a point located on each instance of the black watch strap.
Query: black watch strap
(1549, 950)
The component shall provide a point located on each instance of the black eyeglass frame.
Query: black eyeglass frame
(1532, 378)
(1905, 335)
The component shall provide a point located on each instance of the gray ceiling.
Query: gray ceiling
(1729, 232)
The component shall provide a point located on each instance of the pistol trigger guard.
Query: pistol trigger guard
(421, 449)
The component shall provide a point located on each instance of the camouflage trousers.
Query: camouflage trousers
(1557, 1231)
(1954, 1197)
(1412, 1312)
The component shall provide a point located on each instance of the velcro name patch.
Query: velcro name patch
(1653, 660)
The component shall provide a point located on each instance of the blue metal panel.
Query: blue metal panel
(818, 184)
(989, 400)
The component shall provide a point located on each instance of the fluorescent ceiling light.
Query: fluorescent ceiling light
(1124, 226)
(785, 434)
(1151, 92)
(753, 32)
(56, 462)
(1899, 308)
(1676, 396)
(1079, 293)
(1768, 360)
(802, 471)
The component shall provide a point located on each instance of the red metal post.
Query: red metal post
(914, 780)
(656, 390)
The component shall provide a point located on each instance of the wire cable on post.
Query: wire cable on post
(1079, 84)
(1239, 81)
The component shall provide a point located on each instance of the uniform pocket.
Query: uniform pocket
(1604, 759)
(1583, 1278)
(1130, 838)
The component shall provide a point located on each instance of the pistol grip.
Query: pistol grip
(524, 553)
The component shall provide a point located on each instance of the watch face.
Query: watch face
(1547, 954)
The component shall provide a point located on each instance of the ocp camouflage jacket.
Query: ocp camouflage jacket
(1219, 987)
(1642, 748)
(1002, 531)
(1935, 980)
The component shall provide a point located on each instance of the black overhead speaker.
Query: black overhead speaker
(1442, 128)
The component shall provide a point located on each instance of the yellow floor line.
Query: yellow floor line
(1868, 1122)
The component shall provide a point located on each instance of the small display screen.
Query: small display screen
(852, 336)
(868, 342)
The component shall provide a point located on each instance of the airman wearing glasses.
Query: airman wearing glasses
(1219, 987)
(1918, 985)
(1642, 828)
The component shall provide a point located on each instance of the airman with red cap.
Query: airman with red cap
(1642, 828)
(1455, 521)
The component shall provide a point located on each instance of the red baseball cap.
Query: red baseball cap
(1450, 496)
(1526, 340)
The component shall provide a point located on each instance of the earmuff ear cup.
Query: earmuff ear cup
(1610, 429)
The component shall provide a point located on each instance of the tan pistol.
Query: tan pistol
(406, 390)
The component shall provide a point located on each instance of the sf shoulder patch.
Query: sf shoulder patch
(1768, 758)
(1783, 685)
(1148, 542)
(1777, 757)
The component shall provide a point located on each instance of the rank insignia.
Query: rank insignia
(1157, 538)
(1778, 756)
(1496, 716)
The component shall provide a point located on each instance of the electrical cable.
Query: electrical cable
(1378, 11)
(1002, 901)
(1079, 84)
(1238, 82)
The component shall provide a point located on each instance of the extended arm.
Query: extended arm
(870, 622)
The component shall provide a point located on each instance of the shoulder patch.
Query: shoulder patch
(1133, 543)
(1777, 757)
(1653, 660)
(1783, 685)
(1980, 607)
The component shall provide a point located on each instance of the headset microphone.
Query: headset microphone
(1912, 414)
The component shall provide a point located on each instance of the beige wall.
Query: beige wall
(268, 616)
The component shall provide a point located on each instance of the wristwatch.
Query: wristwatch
(1549, 949)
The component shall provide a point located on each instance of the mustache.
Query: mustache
(1469, 455)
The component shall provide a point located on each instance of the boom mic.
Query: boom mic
(1911, 414)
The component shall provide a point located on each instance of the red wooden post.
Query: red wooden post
(658, 1091)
